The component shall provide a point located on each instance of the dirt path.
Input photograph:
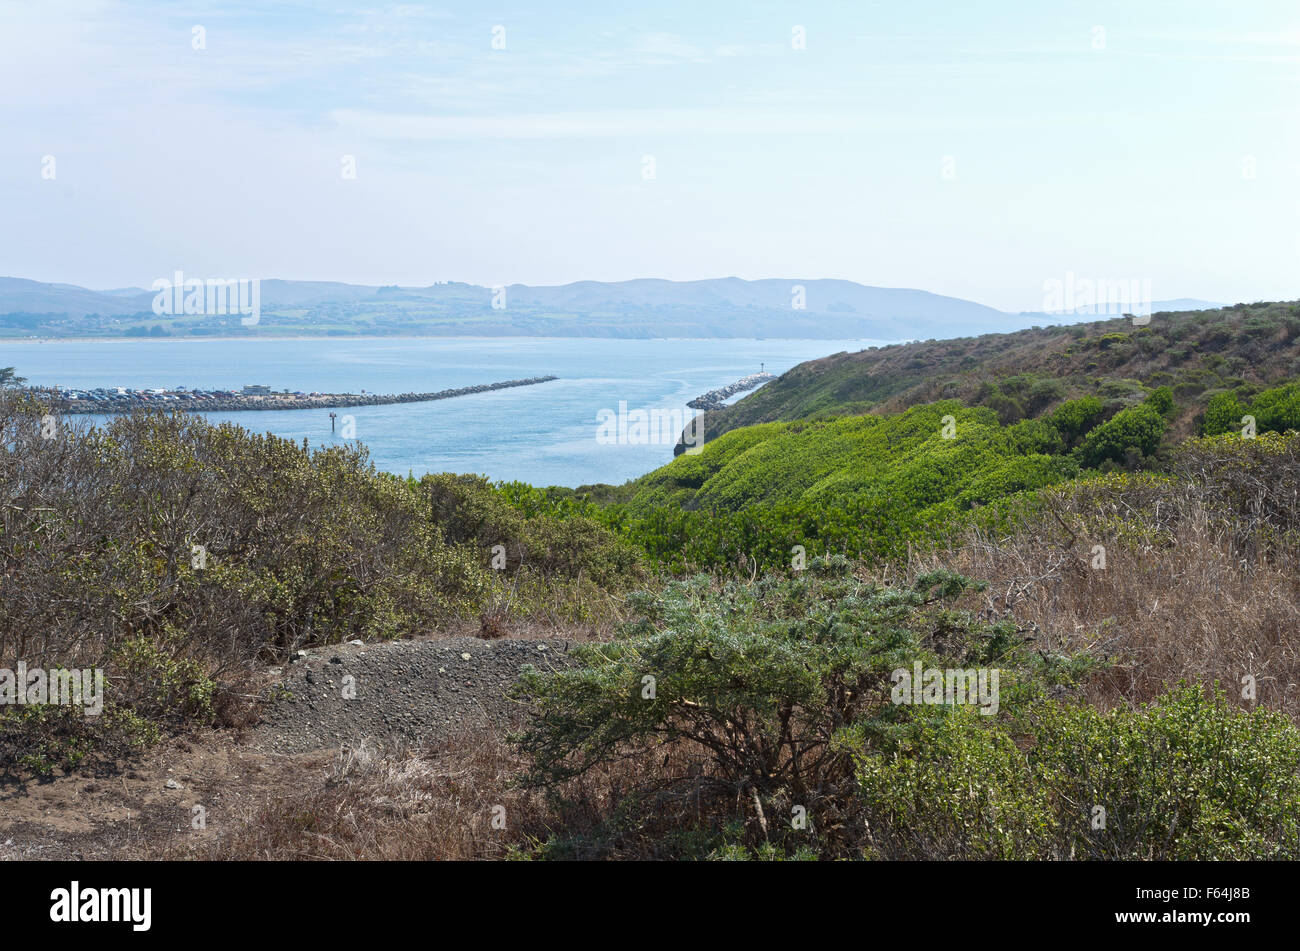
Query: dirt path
(397, 691)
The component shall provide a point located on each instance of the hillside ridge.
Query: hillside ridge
(1025, 372)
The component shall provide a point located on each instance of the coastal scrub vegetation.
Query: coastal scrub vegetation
(870, 486)
(1083, 511)
(178, 555)
(1145, 710)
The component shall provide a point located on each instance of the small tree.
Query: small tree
(765, 687)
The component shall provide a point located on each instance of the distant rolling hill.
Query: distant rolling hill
(724, 307)
(33, 297)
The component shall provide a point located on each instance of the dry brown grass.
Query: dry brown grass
(1188, 604)
(438, 803)
(397, 804)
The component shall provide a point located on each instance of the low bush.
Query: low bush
(1127, 438)
(1185, 777)
(1274, 410)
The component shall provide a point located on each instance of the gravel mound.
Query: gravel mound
(410, 690)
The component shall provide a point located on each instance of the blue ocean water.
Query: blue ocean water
(544, 434)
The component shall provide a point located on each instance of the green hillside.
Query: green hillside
(871, 485)
(878, 479)
(872, 459)
(1196, 353)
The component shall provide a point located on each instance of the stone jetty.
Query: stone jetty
(217, 401)
(713, 399)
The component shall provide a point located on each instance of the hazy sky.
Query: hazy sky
(972, 149)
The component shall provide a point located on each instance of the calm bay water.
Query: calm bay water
(544, 434)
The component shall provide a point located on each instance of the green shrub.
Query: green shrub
(161, 684)
(1017, 474)
(1036, 436)
(954, 788)
(1223, 414)
(553, 535)
(1074, 418)
(1275, 410)
(1127, 437)
(1162, 401)
(1185, 777)
(45, 737)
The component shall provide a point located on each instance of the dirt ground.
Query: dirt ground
(326, 700)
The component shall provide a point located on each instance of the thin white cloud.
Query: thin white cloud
(632, 123)
(667, 47)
